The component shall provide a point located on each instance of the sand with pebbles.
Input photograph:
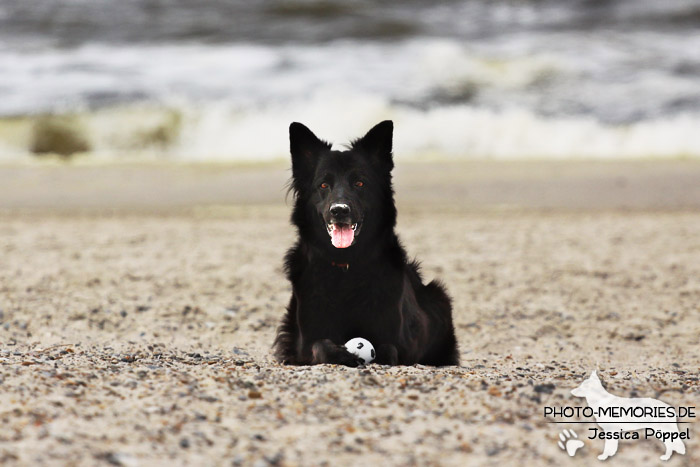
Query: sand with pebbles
(136, 319)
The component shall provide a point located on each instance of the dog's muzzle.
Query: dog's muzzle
(341, 227)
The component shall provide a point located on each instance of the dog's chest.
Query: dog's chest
(350, 293)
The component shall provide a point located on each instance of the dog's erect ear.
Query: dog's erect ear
(377, 143)
(594, 376)
(305, 148)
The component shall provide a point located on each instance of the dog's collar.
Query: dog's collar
(343, 266)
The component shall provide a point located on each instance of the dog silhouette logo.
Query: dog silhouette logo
(623, 417)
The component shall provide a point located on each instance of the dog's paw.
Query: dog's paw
(387, 355)
(351, 360)
(568, 442)
(325, 351)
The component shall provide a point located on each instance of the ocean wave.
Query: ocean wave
(609, 77)
(527, 94)
(223, 133)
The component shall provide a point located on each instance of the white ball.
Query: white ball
(362, 348)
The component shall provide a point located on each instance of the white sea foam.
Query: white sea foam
(517, 97)
(218, 132)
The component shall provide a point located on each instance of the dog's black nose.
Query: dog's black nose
(339, 210)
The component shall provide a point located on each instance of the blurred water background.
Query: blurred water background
(217, 80)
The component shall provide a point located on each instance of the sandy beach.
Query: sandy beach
(138, 304)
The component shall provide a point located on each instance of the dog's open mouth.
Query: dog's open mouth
(342, 234)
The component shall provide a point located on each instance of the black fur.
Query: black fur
(368, 289)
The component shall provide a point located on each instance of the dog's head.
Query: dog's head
(588, 386)
(340, 194)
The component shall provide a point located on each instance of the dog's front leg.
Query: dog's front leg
(609, 449)
(326, 351)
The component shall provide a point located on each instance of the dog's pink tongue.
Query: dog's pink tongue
(342, 236)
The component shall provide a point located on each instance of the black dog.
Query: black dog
(349, 273)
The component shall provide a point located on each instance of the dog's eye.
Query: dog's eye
(359, 183)
(324, 185)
